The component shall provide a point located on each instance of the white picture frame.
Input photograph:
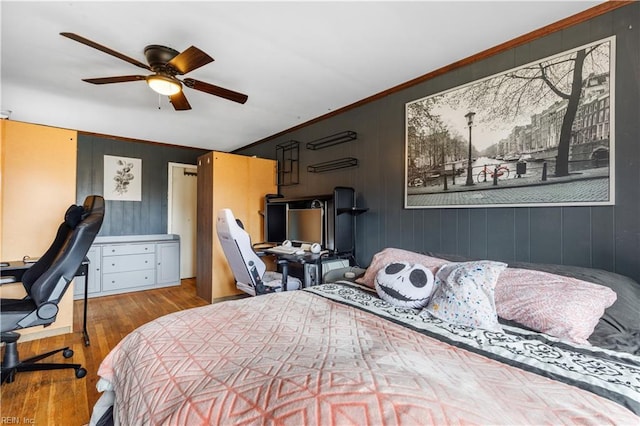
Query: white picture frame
(122, 178)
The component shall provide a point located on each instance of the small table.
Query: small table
(17, 268)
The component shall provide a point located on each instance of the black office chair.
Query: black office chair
(45, 283)
(248, 269)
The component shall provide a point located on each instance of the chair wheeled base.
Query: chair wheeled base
(11, 363)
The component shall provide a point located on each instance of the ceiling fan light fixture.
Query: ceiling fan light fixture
(164, 85)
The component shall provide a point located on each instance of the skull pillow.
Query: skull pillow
(404, 284)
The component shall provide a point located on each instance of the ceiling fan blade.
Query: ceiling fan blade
(179, 101)
(189, 60)
(120, 79)
(215, 90)
(105, 49)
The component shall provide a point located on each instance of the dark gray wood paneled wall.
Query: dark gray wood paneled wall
(606, 237)
(148, 216)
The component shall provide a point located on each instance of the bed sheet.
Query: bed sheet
(336, 354)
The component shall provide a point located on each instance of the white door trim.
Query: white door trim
(171, 166)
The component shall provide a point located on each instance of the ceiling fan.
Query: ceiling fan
(165, 63)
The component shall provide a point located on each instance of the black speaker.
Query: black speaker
(343, 221)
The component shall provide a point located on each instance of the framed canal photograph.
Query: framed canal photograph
(538, 135)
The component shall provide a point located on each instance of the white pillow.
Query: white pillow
(464, 294)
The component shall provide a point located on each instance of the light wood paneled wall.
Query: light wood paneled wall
(238, 183)
(38, 185)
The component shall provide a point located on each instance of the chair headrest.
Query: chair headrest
(73, 216)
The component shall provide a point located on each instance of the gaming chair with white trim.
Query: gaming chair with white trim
(248, 269)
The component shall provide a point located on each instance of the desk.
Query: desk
(310, 263)
(16, 269)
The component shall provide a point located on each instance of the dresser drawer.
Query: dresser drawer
(117, 250)
(133, 262)
(123, 280)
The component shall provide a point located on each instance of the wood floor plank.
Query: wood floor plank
(57, 397)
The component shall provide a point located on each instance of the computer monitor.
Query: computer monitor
(305, 225)
(275, 222)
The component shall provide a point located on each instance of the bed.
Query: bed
(341, 353)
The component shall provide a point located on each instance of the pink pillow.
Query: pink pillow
(563, 307)
(394, 255)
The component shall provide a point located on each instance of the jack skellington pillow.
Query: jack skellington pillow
(404, 284)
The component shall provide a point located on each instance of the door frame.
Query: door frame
(171, 166)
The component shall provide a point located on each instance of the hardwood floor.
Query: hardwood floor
(57, 397)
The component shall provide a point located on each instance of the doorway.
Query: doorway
(182, 199)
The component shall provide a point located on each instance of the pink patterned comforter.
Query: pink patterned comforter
(297, 358)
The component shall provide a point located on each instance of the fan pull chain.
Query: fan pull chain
(159, 101)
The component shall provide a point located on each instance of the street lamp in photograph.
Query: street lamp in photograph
(469, 117)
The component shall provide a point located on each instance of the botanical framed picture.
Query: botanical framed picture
(541, 134)
(122, 178)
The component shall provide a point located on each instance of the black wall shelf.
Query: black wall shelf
(287, 155)
(353, 210)
(336, 139)
(340, 163)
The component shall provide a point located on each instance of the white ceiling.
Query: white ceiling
(295, 60)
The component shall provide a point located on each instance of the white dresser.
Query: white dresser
(120, 264)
